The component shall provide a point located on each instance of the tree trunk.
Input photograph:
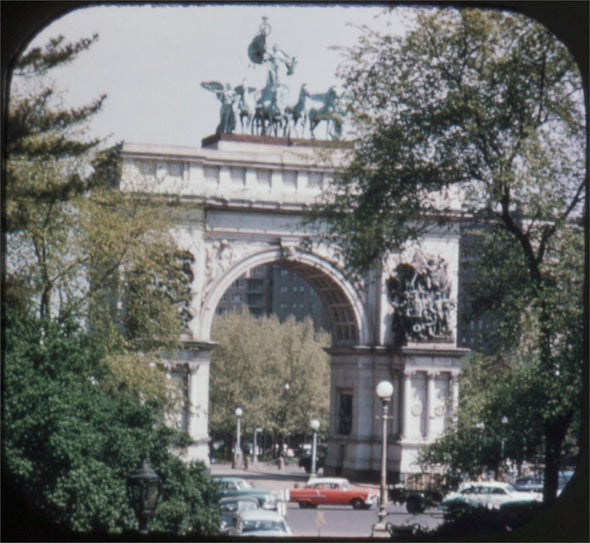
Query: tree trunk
(555, 431)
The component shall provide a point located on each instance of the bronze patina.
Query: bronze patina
(265, 111)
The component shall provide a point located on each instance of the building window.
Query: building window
(344, 412)
(175, 169)
(148, 167)
(284, 289)
(315, 180)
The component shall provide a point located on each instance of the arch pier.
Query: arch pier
(238, 203)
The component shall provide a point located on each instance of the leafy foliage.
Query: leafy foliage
(80, 409)
(485, 107)
(250, 371)
(483, 102)
(77, 245)
(46, 154)
(69, 443)
(515, 383)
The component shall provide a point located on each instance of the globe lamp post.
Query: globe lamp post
(238, 451)
(385, 393)
(315, 426)
(143, 491)
(255, 444)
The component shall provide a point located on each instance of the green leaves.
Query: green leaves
(69, 442)
(483, 101)
(255, 359)
(487, 107)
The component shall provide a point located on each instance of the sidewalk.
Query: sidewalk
(268, 475)
(265, 474)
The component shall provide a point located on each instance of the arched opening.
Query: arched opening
(279, 434)
(271, 289)
(346, 313)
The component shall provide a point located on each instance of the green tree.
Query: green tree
(69, 442)
(46, 157)
(76, 244)
(254, 360)
(81, 408)
(486, 106)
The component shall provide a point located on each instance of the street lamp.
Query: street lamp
(504, 422)
(285, 443)
(238, 449)
(255, 444)
(385, 393)
(480, 447)
(315, 426)
(143, 491)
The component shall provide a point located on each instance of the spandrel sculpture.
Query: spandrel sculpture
(420, 294)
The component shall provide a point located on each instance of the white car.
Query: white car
(492, 494)
(261, 523)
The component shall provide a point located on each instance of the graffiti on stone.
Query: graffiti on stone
(420, 294)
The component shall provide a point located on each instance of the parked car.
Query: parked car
(491, 494)
(230, 507)
(236, 486)
(261, 524)
(416, 500)
(532, 483)
(305, 459)
(332, 491)
(421, 490)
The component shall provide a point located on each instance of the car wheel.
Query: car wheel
(304, 505)
(357, 503)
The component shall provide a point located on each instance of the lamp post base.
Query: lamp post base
(237, 460)
(379, 530)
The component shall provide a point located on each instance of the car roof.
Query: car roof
(261, 514)
(327, 480)
(228, 479)
(232, 499)
(496, 484)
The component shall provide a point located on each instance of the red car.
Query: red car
(332, 491)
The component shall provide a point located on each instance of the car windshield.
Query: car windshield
(232, 507)
(229, 508)
(263, 526)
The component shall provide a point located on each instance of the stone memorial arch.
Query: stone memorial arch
(238, 203)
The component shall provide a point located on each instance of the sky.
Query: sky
(150, 61)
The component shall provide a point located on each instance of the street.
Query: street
(326, 521)
(339, 521)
